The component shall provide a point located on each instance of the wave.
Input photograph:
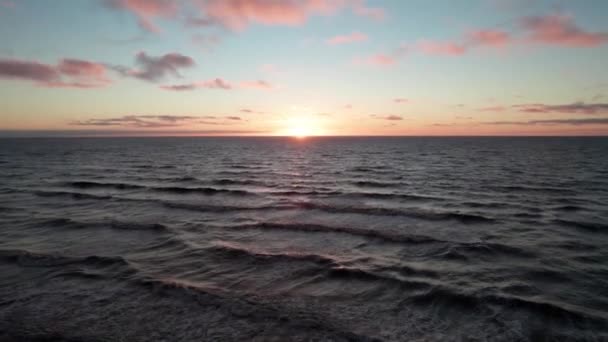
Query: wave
(114, 224)
(414, 213)
(466, 250)
(368, 233)
(594, 227)
(90, 184)
(234, 250)
(75, 195)
(374, 184)
(534, 189)
(451, 298)
(202, 190)
(35, 259)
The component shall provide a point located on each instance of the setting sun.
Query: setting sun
(301, 127)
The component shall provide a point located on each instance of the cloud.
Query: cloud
(146, 10)
(218, 83)
(377, 60)
(487, 37)
(387, 117)
(125, 133)
(238, 14)
(441, 48)
(573, 122)
(153, 69)
(68, 72)
(560, 30)
(155, 121)
(375, 13)
(141, 121)
(577, 107)
(348, 38)
(258, 84)
(401, 100)
(492, 109)
(250, 111)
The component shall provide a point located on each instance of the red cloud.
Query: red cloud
(72, 73)
(489, 38)
(146, 10)
(560, 30)
(441, 48)
(349, 38)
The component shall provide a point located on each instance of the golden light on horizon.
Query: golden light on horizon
(302, 124)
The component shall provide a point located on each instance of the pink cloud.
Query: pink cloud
(375, 13)
(7, 4)
(258, 84)
(146, 10)
(441, 48)
(489, 38)
(348, 38)
(401, 100)
(379, 59)
(560, 30)
(238, 14)
(68, 73)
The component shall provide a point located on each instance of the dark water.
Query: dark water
(274, 239)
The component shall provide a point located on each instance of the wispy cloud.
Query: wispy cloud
(73, 73)
(401, 100)
(219, 83)
(573, 122)
(441, 48)
(146, 10)
(347, 38)
(560, 30)
(387, 117)
(379, 59)
(577, 107)
(257, 84)
(156, 121)
(152, 69)
(216, 83)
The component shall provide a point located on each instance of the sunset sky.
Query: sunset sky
(303, 67)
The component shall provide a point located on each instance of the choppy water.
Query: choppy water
(388, 239)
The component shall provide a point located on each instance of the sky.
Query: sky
(303, 67)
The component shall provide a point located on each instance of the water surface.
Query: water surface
(386, 239)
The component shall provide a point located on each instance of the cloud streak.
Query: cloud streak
(72, 73)
(560, 30)
(219, 83)
(347, 39)
(155, 121)
(573, 122)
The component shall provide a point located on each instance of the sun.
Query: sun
(302, 126)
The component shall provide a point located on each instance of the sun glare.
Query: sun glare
(302, 128)
(302, 124)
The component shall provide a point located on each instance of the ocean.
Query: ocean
(314, 239)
